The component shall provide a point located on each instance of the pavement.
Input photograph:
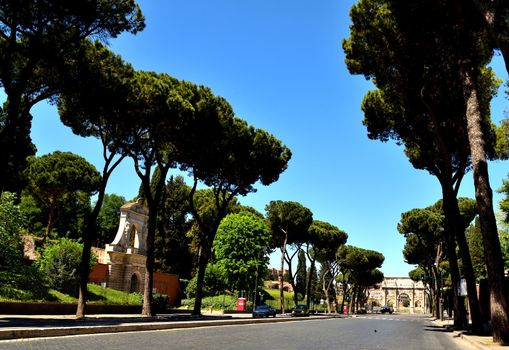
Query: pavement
(476, 341)
(37, 326)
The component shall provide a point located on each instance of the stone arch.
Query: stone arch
(404, 299)
(417, 303)
(135, 285)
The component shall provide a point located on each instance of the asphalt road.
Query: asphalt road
(364, 332)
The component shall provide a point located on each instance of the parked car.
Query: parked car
(386, 308)
(300, 310)
(264, 311)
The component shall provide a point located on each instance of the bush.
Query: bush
(18, 281)
(160, 302)
(213, 283)
(11, 246)
(217, 302)
(59, 264)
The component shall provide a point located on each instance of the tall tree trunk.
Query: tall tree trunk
(51, 215)
(484, 198)
(149, 273)
(202, 265)
(291, 275)
(90, 232)
(460, 316)
(345, 291)
(309, 282)
(437, 293)
(325, 288)
(452, 210)
(281, 274)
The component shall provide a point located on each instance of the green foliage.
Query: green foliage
(361, 265)
(271, 298)
(214, 282)
(59, 263)
(475, 245)
(172, 252)
(288, 221)
(57, 179)
(504, 244)
(18, 281)
(301, 278)
(240, 249)
(502, 145)
(216, 303)
(11, 220)
(33, 60)
(101, 295)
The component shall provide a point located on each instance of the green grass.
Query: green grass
(213, 303)
(272, 298)
(102, 295)
(96, 295)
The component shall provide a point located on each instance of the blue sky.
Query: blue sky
(281, 66)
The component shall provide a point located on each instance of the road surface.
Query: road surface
(405, 332)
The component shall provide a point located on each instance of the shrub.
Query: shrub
(59, 264)
(11, 246)
(213, 283)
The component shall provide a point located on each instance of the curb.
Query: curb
(10, 334)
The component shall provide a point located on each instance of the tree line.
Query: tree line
(55, 51)
(429, 63)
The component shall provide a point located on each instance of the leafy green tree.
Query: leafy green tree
(10, 240)
(108, 219)
(467, 31)
(17, 279)
(172, 245)
(229, 157)
(289, 223)
(57, 175)
(362, 267)
(36, 40)
(321, 235)
(504, 240)
(34, 213)
(59, 263)
(425, 245)
(215, 282)
(156, 111)
(474, 237)
(240, 249)
(93, 102)
(416, 106)
(301, 278)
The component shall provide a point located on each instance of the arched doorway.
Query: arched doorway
(404, 300)
(135, 284)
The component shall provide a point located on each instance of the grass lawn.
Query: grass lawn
(96, 295)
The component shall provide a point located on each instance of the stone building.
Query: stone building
(122, 264)
(402, 293)
(125, 256)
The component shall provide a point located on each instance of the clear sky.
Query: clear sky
(281, 66)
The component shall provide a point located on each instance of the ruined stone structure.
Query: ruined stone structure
(125, 256)
(403, 294)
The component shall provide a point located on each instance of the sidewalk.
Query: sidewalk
(478, 342)
(17, 327)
